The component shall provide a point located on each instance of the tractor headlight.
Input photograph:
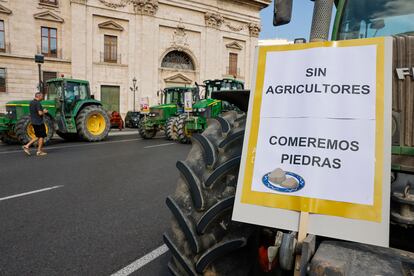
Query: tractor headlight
(201, 109)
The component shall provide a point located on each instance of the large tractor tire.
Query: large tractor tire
(203, 239)
(143, 132)
(92, 123)
(70, 137)
(25, 132)
(9, 138)
(183, 136)
(171, 129)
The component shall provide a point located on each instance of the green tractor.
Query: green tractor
(163, 116)
(73, 114)
(205, 108)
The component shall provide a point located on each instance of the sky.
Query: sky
(299, 26)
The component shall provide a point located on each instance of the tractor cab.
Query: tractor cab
(175, 95)
(221, 85)
(67, 93)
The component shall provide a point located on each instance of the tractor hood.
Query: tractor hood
(205, 103)
(163, 106)
(50, 103)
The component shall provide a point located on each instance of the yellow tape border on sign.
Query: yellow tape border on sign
(306, 204)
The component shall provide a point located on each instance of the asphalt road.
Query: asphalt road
(106, 212)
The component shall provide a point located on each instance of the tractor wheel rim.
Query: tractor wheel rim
(31, 133)
(95, 124)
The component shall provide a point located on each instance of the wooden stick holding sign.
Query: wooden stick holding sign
(303, 231)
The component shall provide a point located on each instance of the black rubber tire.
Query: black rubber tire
(70, 137)
(9, 138)
(171, 129)
(145, 133)
(81, 119)
(182, 137)
(203, 238)
(24, 123)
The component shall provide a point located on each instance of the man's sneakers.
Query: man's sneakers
(26, 150)
(41, 153)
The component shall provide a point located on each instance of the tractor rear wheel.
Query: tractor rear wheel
(9, 138)
(25, 132)
(70, 137)
(171, 128)
(143, 132)
(92, 123)
(203, 238)
(183, 136)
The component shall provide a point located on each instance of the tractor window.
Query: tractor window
(367, 18)
(74, 90)
(54, 90)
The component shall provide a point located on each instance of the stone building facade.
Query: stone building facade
(160, 43)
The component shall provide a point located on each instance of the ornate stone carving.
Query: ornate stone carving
(147, 7)
(234, 28)
(114, 3)
(254, 29)
(214, 20)
(179, 37)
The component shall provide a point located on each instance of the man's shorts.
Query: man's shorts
(40, 130)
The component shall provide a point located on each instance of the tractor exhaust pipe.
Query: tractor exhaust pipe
(321, 20)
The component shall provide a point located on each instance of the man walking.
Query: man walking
(36, 116)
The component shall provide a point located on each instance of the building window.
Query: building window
(2, 79)
(50, 2)
(233, 64)
(177, 60)
(110, 48)
(47, 76)
(2, 37)
(49, 42)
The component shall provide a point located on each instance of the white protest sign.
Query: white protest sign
(188, 101)
(318, 140)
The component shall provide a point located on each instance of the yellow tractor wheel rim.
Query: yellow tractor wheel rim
(95, 124)
(31, 133)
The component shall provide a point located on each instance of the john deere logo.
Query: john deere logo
(283, 181)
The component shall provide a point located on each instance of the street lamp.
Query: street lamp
(39, 59)
(134, 88)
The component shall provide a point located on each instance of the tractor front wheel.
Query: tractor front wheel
(171, 128)
(92, 123)
(25, 132)
(143, 131)
(183, 135)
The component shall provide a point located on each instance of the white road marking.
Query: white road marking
(123, 133)
(32, 192)
(142, 261)
(160, 145)
(77, 145)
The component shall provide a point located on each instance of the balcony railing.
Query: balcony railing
(233, 71)
(116, 59)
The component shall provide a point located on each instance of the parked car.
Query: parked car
(116, 120)
(132, 119)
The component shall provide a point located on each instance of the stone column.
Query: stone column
(79, 36)
(213, 54)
